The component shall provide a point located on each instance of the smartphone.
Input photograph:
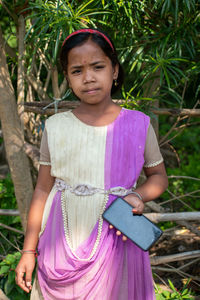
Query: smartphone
(138, 228)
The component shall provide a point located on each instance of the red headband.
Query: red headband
(90, 31)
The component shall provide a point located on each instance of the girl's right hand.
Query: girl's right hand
(124, 238)
(24, 271)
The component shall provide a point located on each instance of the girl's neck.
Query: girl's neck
(95, 109)
(97, 115)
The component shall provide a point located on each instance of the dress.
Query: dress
(79, 257)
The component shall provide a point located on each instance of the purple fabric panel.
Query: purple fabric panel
(60, 273)
(125, 149)
(124, 161)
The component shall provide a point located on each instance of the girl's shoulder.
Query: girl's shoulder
(136, 114)
(57, 118)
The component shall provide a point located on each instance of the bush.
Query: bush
(7, 278)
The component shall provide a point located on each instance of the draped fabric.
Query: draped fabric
(118, 270)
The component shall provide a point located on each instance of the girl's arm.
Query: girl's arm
(155, 184)
(27, 262)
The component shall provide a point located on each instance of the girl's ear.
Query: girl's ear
(115, 71)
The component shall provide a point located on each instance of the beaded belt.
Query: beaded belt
(87, 190)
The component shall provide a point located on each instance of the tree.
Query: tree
(14, 139)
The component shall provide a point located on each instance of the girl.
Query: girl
(88, 157)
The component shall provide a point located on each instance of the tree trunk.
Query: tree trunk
(151, 88)
(20, 71)
(14, 139)
(55, 86)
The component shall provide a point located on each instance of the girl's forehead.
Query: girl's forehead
(86, 52)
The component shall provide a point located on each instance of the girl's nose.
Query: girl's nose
(88, 76)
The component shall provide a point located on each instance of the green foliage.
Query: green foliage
(54, 20)
(9, 239)
(187, 147)
(8, 201)
(157, 41)
(186, 185)
(8, 265)
(7, 277)
(184, 293)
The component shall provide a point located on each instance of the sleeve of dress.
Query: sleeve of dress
(44, 150)
(152, 155)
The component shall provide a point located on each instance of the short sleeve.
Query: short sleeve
(44, 150)
(152, 155)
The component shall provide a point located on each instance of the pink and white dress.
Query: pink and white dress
(79, 256)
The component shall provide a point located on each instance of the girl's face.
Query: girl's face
(90, 73)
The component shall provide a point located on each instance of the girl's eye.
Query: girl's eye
(99, 67)
(76, 72)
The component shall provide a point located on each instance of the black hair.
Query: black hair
(79, 39)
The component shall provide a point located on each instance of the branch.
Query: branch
(12, 229)
(20, 70)
(9, 212)
(43, 59)
(33, 153)
(162, 111)
(63, 87)
(170, 130)
(47, 80)
(54, 79)
(9, 242)
(174, 270)
(164, 217)
(179, 197)
(177, 112)
(48, 111)
(184, 177)
(157, 260)
(38, 87)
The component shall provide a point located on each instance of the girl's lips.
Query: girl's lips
(92, 91)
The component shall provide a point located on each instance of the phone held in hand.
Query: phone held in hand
(138, 228)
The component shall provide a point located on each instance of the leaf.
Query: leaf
(171, 285)
(11, 277)
(8, 287)
(4, 270)
(10, 258)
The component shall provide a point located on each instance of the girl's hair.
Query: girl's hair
(79, 37)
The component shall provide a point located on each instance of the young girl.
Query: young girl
(89, 156)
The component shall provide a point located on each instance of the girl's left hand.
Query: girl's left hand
(138, 207)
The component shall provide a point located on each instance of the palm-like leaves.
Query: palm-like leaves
(52, 21)
(153, 38)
